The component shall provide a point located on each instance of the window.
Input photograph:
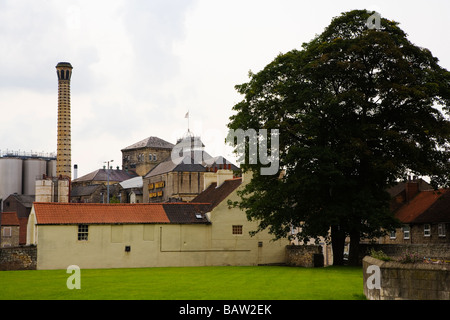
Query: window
(393, 235)
(7, 231)
(406, 232)
(426, 230)
(441, 229)
(83, 231)
(237, 229)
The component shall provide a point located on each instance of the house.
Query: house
(21, 204)
(10, 230)
(150, 234)
(425, 216)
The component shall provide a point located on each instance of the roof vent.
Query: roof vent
(198, 215)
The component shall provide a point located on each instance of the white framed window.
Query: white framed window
(393, 234)
(426, 230)
(441, 229)
(406, 232)
(83, 232)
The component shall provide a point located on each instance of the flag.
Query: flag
(187, 115)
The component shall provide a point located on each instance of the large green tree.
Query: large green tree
(357, 110)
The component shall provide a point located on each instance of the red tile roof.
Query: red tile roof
(98, 213)
(421, 203)
(123, 213)
(9, 219)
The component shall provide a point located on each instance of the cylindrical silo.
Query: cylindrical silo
(10, 176)
(51, 168)
(32, 169)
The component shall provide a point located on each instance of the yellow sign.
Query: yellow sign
(159, 184)
(151, 186)
(155, 194)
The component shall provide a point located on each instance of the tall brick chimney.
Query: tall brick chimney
(63, 156)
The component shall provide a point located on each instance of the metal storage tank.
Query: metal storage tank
(10, 176)
(32, 169)
(51, 168)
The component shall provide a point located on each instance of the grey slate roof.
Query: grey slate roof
(80, 191)
(150, 142)
(102, 175)
(180, 164)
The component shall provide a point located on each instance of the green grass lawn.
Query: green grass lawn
(191, 283)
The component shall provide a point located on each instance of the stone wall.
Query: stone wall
(437, 250)
(18, 258)
(304, 256)
(406, 281)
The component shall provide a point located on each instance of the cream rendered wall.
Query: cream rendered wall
(223, 218)
(157, 245)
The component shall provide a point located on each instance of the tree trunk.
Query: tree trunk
(337, 244)
(353, 256)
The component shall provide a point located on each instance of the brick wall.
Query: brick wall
(304, 256)
(18, 258)
(411, 281)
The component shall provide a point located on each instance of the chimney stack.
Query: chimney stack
(63, 156)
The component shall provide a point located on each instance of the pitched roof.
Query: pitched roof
(181, 164)
(50, 213)
(135, 182)
(98, 213)
(102, 175)
(181, 212)
(9, 219)
(424, 206)
(216, 194)
(25, 200)
(151, 142)
(438, 212)
(79, 191)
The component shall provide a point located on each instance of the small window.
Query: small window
(441, 229)
(406, 232)
(7, 231)
(426, 230)
(83, 231)
(154, 157)
(393, 235)
(237, 229)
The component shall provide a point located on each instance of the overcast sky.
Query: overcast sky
(139, 66)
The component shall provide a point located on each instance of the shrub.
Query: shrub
(380, 255)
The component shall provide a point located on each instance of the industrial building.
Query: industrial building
(19, 171)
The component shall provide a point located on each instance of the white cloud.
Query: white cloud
(139, 66)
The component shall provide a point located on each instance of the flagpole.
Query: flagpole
(187, 116)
